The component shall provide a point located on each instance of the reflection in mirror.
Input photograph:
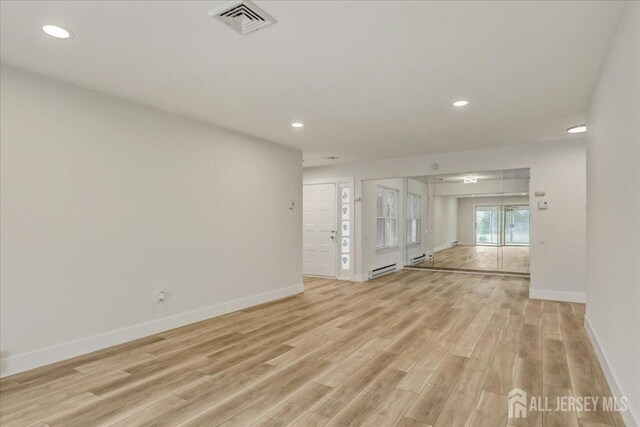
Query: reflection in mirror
(475, 221)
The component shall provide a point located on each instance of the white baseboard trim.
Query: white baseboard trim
(360, 278)
(557, 295)
(22, 362)
(630, 417)
(441, 248)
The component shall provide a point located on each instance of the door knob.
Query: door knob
(332, 237)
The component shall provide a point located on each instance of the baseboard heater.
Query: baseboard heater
(418, 259)
(377, 272)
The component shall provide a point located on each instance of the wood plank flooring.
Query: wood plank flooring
(512, 259)
(415, 348)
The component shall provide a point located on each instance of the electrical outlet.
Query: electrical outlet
(160, 297)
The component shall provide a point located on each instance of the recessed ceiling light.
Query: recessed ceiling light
(473, 195)
(577, 129)
(57, 32)
(470, 180)
(460, 103)
(297, 125)
(332, 157)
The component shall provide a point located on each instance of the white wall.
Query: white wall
(445, 222)
(613, 232)
(558, 267)
(105, 202)
(467, 213)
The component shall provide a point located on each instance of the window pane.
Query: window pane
(418, 230)
(380, 210)
(392, 233)
(344, 194)
(344, 228)
(344, 245)
(380, 234)
(391, 204)
(344, 211)
(521, 225)
(417, 201)
(486, 225)
(409, 206)
(344, 261)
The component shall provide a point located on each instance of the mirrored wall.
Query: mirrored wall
(474, 221)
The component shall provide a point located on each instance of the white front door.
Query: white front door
(320, 230)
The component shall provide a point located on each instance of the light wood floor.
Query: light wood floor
(513, 259)
(414, 348)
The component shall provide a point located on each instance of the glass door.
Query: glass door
(516, 225)
(487, 225)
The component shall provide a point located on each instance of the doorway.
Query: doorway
(319, 230)
(502, 225)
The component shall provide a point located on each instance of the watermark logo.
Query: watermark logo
(517, 403)
(520, 405)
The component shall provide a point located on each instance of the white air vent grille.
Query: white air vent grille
(243, 16)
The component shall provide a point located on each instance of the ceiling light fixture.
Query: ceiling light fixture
(577, 129)
(461, 103)
(332, 157)
(470, 180)
(297, 125)
(57, 32)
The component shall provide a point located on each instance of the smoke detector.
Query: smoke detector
(243, 16)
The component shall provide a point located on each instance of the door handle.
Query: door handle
(332, 237)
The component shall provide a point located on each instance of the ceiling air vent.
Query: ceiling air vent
(243, 16)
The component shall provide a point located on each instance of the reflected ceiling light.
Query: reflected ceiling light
(460, 103)
(470, 180)
(297, 125)
(57, 32)
(577, 129)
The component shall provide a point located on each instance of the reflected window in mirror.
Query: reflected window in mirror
(414, 203)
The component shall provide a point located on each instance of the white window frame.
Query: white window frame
(388, 215)
(414, 200)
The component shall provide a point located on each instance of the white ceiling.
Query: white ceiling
(369, 79)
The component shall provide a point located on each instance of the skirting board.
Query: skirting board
(557, 295)
(360, 278)
(25, 361)
(630, 418)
